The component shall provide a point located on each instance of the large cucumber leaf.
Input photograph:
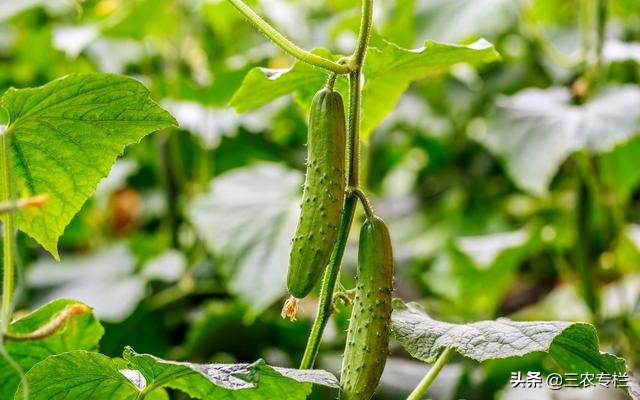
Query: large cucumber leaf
(83, 375)
(388, 71)
(64, 138)
(573, 346)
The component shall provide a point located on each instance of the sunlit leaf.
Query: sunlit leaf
(263, 85)
(64, 138)
(574, 346)
(388, 71)
(83, 375)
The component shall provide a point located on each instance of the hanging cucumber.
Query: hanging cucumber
(323, 196)
(368, 336)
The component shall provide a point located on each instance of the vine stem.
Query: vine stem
(285, 44)
(593, 23)
(588, 193)
(428, 379)
(325, 307)
(366, 22)
(8, 272)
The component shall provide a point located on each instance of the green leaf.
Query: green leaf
(574, 346)
(64, 138)
(263, 85)
(78, 332)
(534, 131)
(248, 219)
(619, 168)
(388, 71)
(158, 394)
(78, 375)
(460, 276)
(83, 375)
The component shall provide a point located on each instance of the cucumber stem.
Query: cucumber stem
(368, 209)
(285, 44)
(431, 376)
(331, 81)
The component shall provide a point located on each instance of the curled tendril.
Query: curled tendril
(51, 327)
(20, 204)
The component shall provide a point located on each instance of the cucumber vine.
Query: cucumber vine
(63, 138)
(353, 67)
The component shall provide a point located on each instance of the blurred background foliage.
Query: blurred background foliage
(507, 192)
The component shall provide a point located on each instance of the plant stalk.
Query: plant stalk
(601, 30)
(285, 44)
(431, 376)
(593, 21)
(171, 173)
(366, 23)
(8, 271)
(587, 195)
(353, 141)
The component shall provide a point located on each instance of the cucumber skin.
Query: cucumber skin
(368, 336)
(323, 195)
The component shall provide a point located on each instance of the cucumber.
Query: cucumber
(368, 336)
(323, 194)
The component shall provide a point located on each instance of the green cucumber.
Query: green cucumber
(368, 336)
(323, 195)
